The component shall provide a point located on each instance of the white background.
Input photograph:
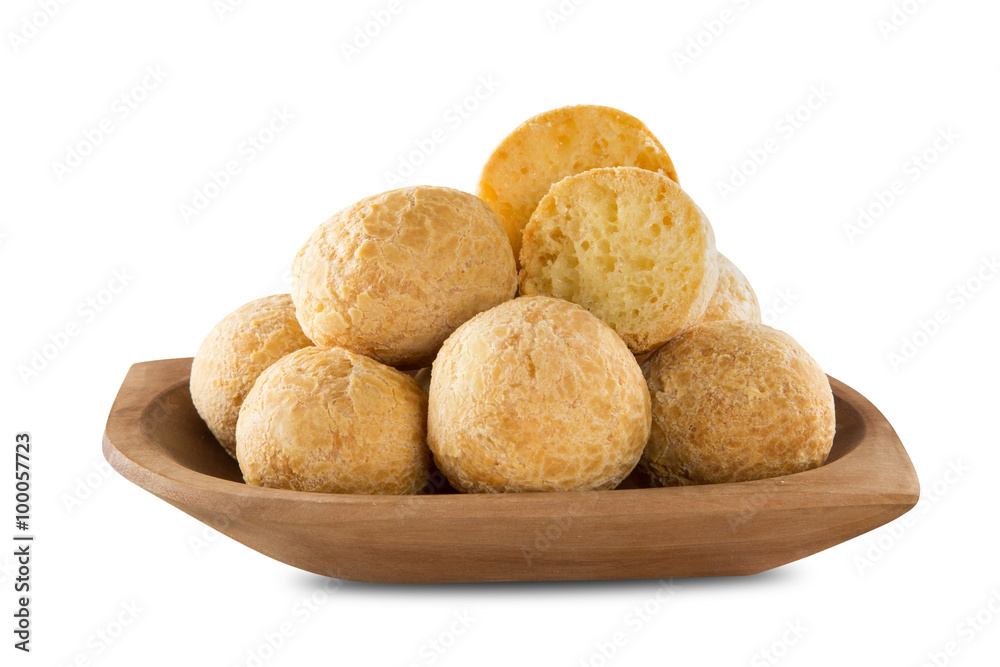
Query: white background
(889, 597)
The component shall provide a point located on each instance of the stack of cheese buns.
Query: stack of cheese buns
(569, 324)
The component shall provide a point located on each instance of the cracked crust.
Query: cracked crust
(735, 401)
(628, 245)
(562, 142)
(734, 298)
(536, 395)
(331, 421)
(393, 275)
(235, 352)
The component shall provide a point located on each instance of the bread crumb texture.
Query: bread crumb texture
(393, 275)
(329, 420)
(628, 245)
(235, 352)
(562, 142)
(536, 394)
(734, 298)
(735, 401)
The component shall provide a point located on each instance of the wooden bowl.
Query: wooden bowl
(156, 439)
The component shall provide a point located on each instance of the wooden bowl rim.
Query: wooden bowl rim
(851, 479)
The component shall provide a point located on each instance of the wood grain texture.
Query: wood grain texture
(155, 439)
